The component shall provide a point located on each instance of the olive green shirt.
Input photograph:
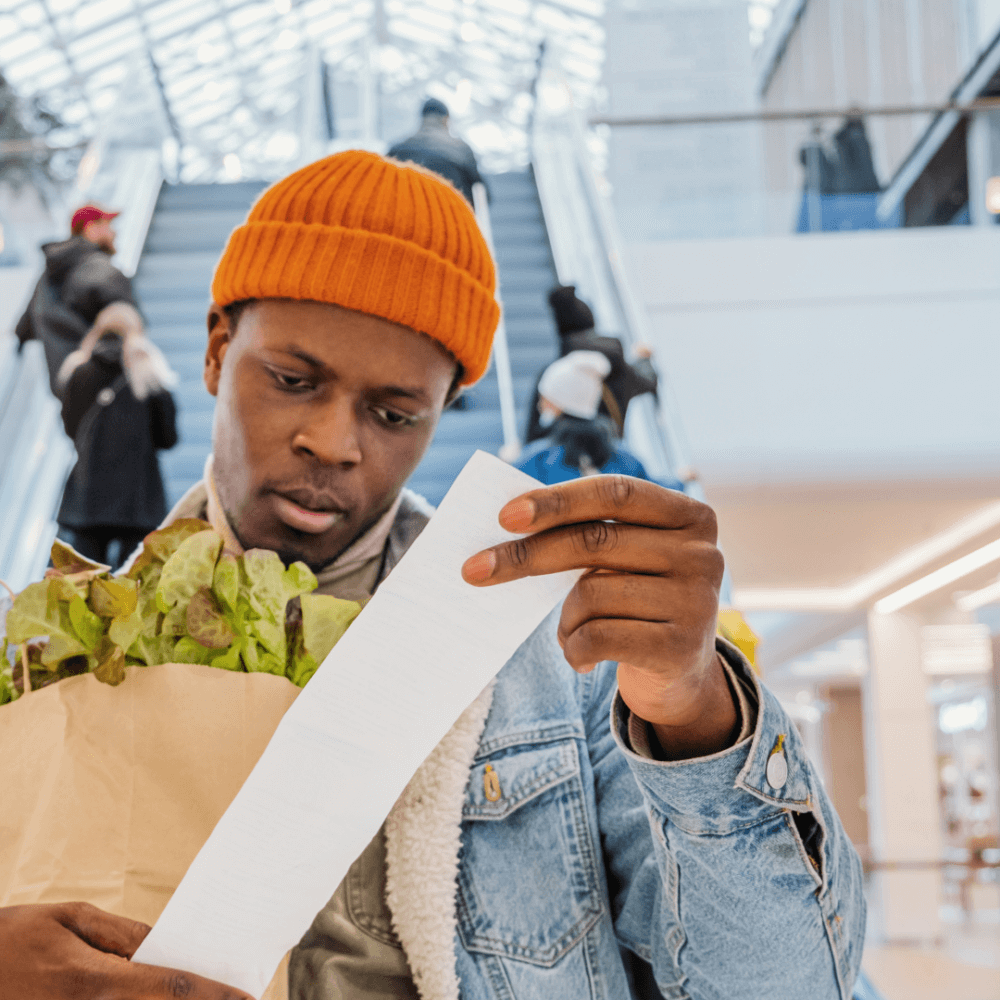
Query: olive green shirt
(351, 951)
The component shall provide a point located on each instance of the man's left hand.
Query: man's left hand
(649, 599)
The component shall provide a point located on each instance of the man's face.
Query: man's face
(322, 413)
(100, 232)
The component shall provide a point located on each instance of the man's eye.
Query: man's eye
(290, 383)
(393, 418)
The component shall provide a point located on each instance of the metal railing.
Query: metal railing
(139, 179)
(501, 350)
(35, 459)
(587, 253)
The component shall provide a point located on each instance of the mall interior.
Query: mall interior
(793, 203)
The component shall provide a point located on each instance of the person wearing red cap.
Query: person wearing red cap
(94, 223)
(78, 282)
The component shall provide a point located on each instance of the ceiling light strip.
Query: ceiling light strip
(940, 578)
(864, 588)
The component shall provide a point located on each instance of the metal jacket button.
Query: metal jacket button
(777, 765)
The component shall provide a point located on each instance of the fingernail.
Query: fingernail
(480, 566)
(518, 515)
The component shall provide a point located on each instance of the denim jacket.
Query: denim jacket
(580, 869)
(592, 857)
(588, 872)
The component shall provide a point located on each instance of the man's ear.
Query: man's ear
(220, 333)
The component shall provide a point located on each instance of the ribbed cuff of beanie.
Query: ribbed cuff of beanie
(373, 273)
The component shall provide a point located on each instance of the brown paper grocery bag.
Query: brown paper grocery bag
(107, 794)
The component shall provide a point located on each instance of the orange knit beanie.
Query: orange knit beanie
(367, 233)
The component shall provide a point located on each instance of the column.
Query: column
(901, 769)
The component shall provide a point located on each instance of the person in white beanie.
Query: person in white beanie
(579, 443)
(572, 385)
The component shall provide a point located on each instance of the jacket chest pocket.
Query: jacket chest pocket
(528, 884)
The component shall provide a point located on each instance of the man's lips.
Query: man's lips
(308, 519)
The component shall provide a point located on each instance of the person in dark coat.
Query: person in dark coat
(78, 282)
(118, 410)
(625, 381)
(578, 442)
(434, 147)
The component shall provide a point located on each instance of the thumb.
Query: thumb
(101, 930)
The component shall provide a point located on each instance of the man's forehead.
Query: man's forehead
(335, 340)
(278, 313)
(281, 321)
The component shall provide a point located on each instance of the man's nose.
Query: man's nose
(332, 435)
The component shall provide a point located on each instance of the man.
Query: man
(575, 325)
(625, 809)
(434, 147)
(78, 282)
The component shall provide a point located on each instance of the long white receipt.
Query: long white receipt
(422, 650)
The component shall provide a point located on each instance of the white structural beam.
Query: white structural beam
(902, 782)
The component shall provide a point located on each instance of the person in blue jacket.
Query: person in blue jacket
(579, 442)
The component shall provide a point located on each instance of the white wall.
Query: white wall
(838, 356)
(681, 56)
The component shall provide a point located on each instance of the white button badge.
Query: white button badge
(777, 765)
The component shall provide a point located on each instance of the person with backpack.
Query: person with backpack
(117, 408)
(625, 379)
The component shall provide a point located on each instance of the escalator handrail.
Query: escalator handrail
(501, 349)
(563, 164)
(34, 464)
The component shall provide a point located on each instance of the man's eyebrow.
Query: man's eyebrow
(416, 394)
(296, 352)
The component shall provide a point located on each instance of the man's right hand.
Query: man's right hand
(72, 951)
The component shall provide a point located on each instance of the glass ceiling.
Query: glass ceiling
(226, 79)
(229, 75)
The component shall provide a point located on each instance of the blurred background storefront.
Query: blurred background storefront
(794, 202)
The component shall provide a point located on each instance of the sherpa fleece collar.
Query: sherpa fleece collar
(423, 839)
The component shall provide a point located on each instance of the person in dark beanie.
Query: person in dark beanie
(118, 410)
(626, 380)
(434, 147)
(78, 282)
(572, 314)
